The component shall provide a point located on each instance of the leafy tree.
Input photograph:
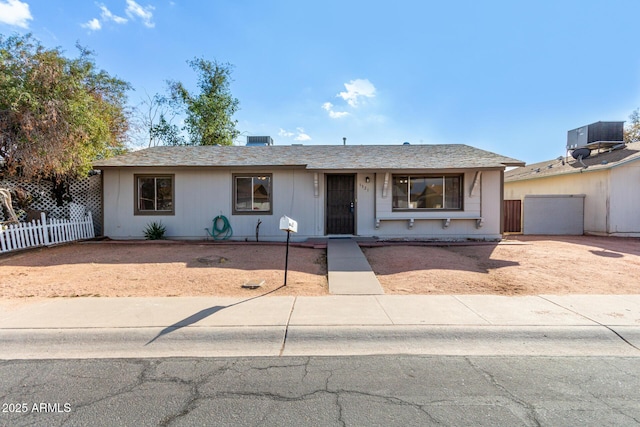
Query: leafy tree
(632, 130)
(209, 113)
(57, 114)
(154, 123)
(165, 132)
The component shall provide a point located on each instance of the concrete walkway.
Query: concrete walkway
(349, 270)
(568, 325)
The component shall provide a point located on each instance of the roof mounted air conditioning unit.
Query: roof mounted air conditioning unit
(258, 141)
(596, 135)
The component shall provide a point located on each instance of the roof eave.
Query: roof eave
(516, 163)
(98, 166)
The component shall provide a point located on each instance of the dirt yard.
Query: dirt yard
(520, 265)
(517, 266)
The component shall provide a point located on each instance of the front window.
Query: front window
(427, 192)
(154, 195)
(252, 194)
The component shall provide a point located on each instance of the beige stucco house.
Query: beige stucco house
(607, 182)
(444, 192)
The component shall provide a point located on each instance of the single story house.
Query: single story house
(606, 182)
(447, 192)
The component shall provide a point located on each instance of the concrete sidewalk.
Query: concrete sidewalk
(349, 272)
(330, 325)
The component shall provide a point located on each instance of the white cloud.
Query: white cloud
(93, 25)
(356, 90)
(333, 114)
(337, 114)
(302, 136)
(15, 13)
(134, 10)
(106, 15)
(285, 133)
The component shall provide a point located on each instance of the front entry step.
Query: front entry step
(349, 270)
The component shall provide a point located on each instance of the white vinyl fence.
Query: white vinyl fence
(44, 232)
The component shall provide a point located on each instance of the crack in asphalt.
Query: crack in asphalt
(338, 404)
(529, 411)
(26, 392)
(341, 388)
(607, 404)
(339, 394)
(195, 395)
(392, 400)
(614, 409)
(136, 382)
(190, 403)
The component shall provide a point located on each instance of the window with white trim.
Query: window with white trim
(427, 192)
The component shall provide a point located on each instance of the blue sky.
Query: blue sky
(506, 76)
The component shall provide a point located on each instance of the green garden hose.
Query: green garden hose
(220, 233)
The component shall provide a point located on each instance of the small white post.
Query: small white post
(90, 229)
(3, 246)
(45, 228)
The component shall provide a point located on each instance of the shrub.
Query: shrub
(155, 231)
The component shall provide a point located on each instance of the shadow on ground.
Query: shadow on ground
(475, 258)
(628, 245)
(203, 314)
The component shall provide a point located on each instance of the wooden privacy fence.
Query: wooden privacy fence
(512, 216)
(44, 232)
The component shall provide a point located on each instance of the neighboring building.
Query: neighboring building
(446, 192)
(607, 179)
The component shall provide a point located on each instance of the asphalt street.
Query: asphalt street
(392, 390)
(453, 360)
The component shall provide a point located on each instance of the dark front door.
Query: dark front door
(340, 204)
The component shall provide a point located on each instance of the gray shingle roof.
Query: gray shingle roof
(316, 157)
(597, 161)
